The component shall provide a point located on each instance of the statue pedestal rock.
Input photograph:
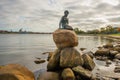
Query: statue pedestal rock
(67, 60)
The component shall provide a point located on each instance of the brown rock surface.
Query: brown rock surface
(70, 57)
(49, 76)
(68, 74)
(53, 63)
(88, 62)
(65, 38)
(82, 72)
(15, 72)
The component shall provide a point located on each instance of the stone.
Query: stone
(65, 38)
(113, 53)
(108, 45)
(89, 53)
(49, 76)
(53, 63)
(117, 69)
(70, 57)
(68, 74)
(117, 49)
(88, 62)
(82, 72)
(49, 56)
(117, 56)
(39, 61)
(102, 52)
(15, 72)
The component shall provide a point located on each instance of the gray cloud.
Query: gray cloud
(44, 15)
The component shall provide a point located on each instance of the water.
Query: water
(23, 48)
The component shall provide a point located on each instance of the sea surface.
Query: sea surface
(24, 48)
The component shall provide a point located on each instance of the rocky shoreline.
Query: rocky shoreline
(68, 63)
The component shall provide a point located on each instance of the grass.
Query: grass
(115, 34)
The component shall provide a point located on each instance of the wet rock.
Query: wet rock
(88, 62)
(101, 58)
(102, 52)
(82, 72)
(65, 38)
(49, 76)
(108, 62)
(113, 53)
(53, 63)
(117, 49)
(117, 56)
(15, 72)
(117, 69)
(68, 74)
(89, 53)
(70, 57)
(108, 45)
(39, 61)
(49, 56)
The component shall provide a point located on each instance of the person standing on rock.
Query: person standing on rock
(64, 21)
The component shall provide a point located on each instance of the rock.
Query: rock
(53, 63)
(70, 57)
(117, 56)
(102, 52)
(117, 69)
(39, 61)
(49, 56)
(117, 49)
(113, 53)
(88, 62)
(101, 58)
(68, 74)
(49, 76)
(65, 38)
(108, 45)
(82, 72)
(89, 53)
(108, 62)
(15, 72)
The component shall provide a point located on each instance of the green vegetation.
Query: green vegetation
(106, 30)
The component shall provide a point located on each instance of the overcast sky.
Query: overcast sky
(44, 15)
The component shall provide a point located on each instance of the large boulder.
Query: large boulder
(83, 73)
(49, 76)
(68, 74)
(65, 38)
(70, 57)
(88, 62)
(102, 52)
(53, 63)
(15, 72)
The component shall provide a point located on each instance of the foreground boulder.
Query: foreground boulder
(65, 38)
(88, 62)
(70, 57)
(68, 74)
(15, 72)
(53, 63)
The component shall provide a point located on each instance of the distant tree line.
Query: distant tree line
(106, 30)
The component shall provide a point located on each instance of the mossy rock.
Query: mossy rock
(88, 62)
(70, 57)
(53, 63)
